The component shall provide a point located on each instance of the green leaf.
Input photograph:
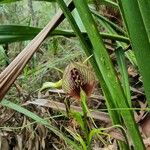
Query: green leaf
(144, 7)
(123, 72)
(139, 34)
(110, 23)
(8, 1)
(78, 117)
(14, 33)
(114, 29)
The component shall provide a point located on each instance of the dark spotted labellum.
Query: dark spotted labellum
(76, 77)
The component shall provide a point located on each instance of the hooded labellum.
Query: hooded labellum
(76, 77)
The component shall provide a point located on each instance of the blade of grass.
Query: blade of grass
(108, 73)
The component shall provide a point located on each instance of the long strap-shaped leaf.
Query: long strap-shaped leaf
(13, 33)
(9, 75)
(137, 19)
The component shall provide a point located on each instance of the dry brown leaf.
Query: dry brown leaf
(4, 145)
(19, 139)
(117, 134)
(110, 147)
(141, 115)
(145, 126)
(147, 143)
(132, 72)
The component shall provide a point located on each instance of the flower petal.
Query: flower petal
(77, 76)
